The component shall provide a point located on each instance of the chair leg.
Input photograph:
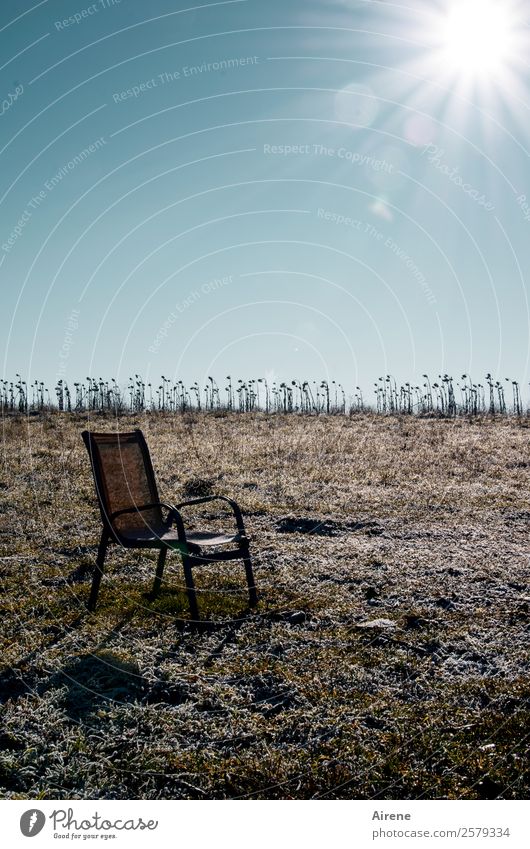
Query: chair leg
(190, 587)
(252, 594)
(159, 572)
(98, 572)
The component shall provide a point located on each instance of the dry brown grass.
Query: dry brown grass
(423, 526)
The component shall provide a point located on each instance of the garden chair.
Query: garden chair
(132, 515)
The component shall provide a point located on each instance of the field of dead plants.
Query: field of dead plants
(388, 656)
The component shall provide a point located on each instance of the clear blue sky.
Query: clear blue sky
(306, 189)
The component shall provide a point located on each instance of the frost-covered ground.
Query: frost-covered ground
(389, 654)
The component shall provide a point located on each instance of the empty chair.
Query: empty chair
(134, 517)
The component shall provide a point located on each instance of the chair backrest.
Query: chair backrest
(124, 478)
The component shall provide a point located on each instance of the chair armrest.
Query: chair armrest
(233, 504)
(173, 517)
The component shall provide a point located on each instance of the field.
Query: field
(388, 656)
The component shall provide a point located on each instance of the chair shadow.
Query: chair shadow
(96, 679)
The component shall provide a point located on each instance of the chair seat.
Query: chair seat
(202, 538)
(153, 537)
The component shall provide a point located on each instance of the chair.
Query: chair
(132, 515)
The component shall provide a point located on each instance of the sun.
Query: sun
(477, 37)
